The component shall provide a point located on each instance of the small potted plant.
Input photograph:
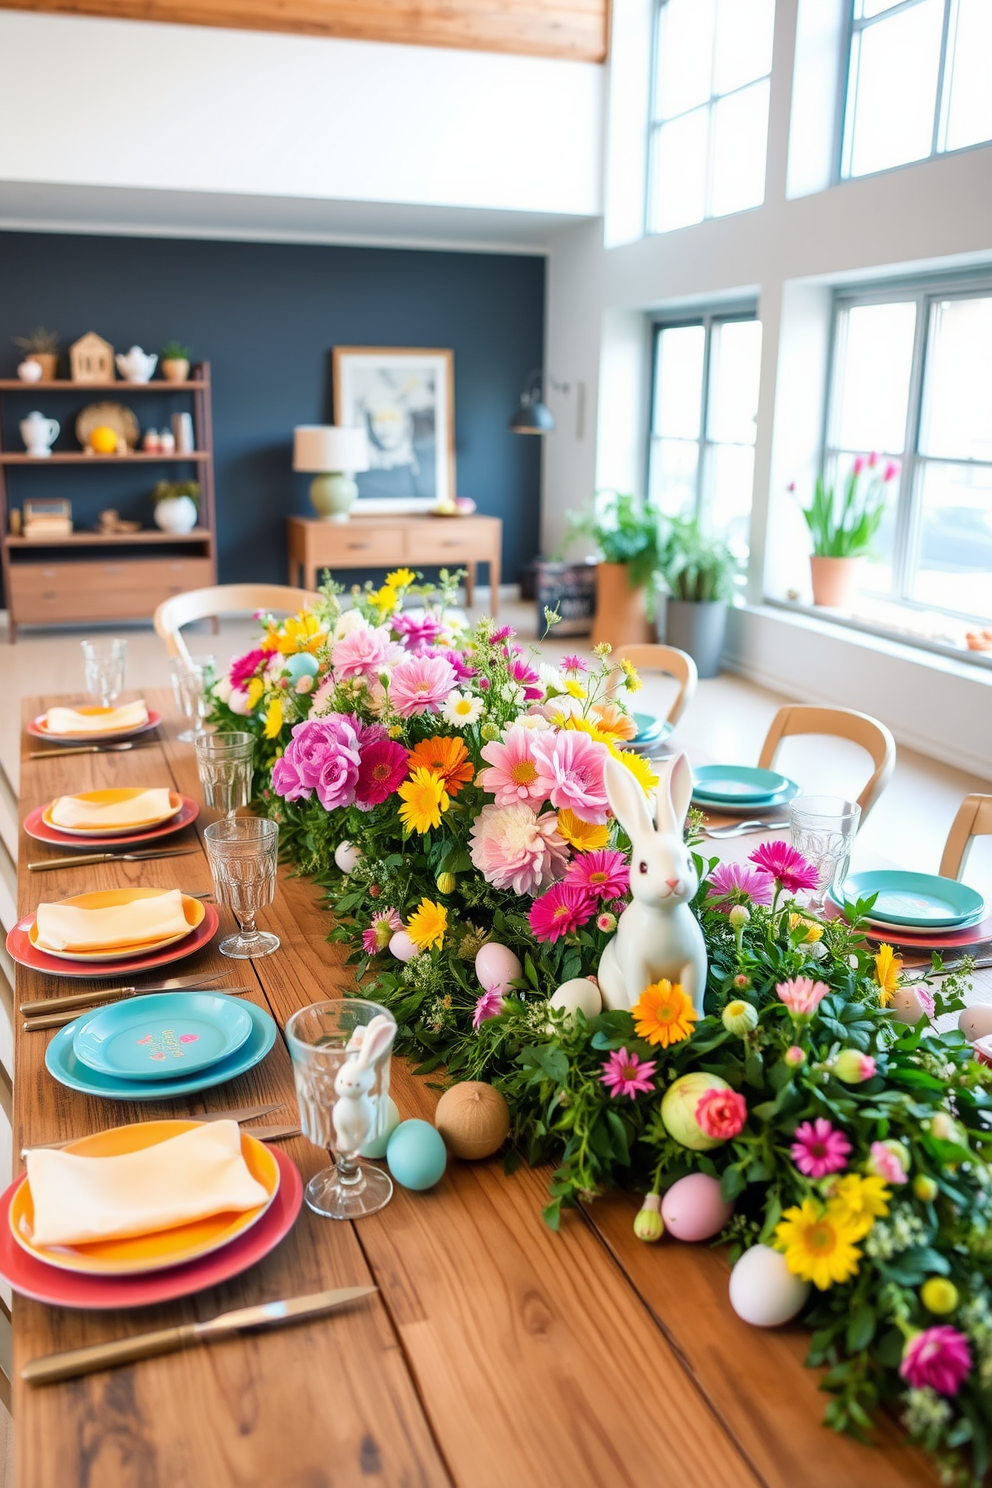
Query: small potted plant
(42, 347)
(625, 532)
(843, 528)
(177, 505)
(699, 574)
(174, 361)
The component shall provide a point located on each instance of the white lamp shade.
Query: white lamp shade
(325, 448)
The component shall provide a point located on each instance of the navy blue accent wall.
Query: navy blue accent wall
(266, 317)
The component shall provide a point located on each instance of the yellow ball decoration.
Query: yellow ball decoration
(103, 440)
(473, 1118)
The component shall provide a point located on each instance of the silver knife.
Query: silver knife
(75, 1362)
(260, 1133)
(59, 1020)
(83, 999)
(740, 829)
(106, 857)
(67, 749)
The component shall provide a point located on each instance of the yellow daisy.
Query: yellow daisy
(582, 835)
(575, 689)
(427, 924)
(255, 689)
(640, 768)
(273, 718)
(863, 1199)
(663, 1014)
(632, 680)
(302, 632)
(424, 798)
(581, 725)
(818, 1242)
(814, 931)
(887, 968)
(400, 578)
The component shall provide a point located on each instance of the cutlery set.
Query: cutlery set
(77, 859)
(54, 1012)
(742, 828)
(67, 749)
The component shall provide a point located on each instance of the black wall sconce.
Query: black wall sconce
(533, 416)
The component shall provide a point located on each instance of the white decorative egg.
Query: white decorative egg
(763, 1291)
(403, 947)
(975, 1022)
(347, 856)
(578, 995)
(906, 1006)
(496, 967)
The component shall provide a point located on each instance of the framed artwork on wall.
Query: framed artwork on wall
(404, 399)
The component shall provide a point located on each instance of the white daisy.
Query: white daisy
(551, 677)
(461, 709)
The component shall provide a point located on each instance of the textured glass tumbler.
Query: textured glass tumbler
(191, 683)
(104, 664)
(243, 853)
(339, 1107)
(225, 765)
(823, 829)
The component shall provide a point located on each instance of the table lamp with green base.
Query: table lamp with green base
(334, 456)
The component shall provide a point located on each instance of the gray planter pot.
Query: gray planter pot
(698, 627)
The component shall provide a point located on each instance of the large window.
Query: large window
(710, 109)
(918, 81)
(912, 384)
(704, 406)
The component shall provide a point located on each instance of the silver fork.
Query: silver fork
(740, 829)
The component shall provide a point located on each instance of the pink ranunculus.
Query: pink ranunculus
(512, 774)
(801, 995)
(819, 1149)
(560, 911)
(570, 764)
(243, 668)
(786, 865)
(886, 1163)
(489, 1005)
(603, 873)
(514, 848)
(721, 1114)
(420, 684)
(363, 653)
(736, 883)
(938, 1358)
(382, 770)
(417, 631)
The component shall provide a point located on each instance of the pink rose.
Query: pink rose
(721, 1114)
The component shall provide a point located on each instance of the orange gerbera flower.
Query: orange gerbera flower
(445, 757)
(663, 1014)
(614, 721)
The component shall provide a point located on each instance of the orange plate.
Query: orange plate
(41, 723)
(163, 1248)
(193, 909)
(113, 798)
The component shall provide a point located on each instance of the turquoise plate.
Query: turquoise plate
(63, 1065)
(919, 900)
(753, 803)
(162, 1037)
(738, 783)
(650, 733)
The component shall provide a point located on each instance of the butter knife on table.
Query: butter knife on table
(44, 864)
(106, 994)
(59, 1020)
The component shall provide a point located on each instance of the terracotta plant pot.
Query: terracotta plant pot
(835, 581)
(175, 369)
(620, 614)
(48, 361)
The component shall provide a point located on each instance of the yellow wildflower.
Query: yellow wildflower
(814, 932)
(575, 689)
(255, 689)
(424, 798)
(887, 968)
(400, 578)
(273, 718)
(427, 924)
(818, 1242)
(640, 768)
(631, 679)
(863, 1199)
(663, 1014)
(582, 835)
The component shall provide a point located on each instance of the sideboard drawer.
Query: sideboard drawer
(58, 593)
(357, 546)
(448, 540)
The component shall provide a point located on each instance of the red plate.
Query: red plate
(33, 1278)
(927, 940)
(42, 832)
(37, 730)
(24, 952)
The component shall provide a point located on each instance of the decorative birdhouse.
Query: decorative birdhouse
(91, 359)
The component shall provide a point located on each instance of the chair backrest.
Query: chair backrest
(843, 723)
(223, 599)
(974, 819)
(671, 661)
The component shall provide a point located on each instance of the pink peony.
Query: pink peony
(939, 1358)
(489, 1005)
(818, 1149)
(514, 848)
(382, 770)
(420, 684)
(512, 775)
(570, 765)
(243, 668)
(801, 995)
(339, 770)
(417, 631)
(381, 931)
(721, 1114)
(602, 873)
(364, 653)
(625, 1074)
(786, 865)
(322, 755)
(560, 911)
(736, 883)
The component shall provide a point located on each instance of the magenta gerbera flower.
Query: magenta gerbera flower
(489, 1005)
(603, 874)
(560, 911)
(625, 1074)
(786, 865)
(381, 771)
(573, 664)
(243, 668)
(736, 883)
(819, 1149)
(381, 931)
(939, 1358)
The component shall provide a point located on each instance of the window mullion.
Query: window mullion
(907, 523)
(943, 81)
(702, 462)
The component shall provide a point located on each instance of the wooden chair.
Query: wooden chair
(974, 819)
(223, 599)
(843, 723)
(671, 661)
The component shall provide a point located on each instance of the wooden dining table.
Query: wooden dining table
(494, 1354)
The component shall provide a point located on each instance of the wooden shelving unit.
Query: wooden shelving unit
(69, 580)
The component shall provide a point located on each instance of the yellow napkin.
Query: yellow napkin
(149, 806)
(80, 1199)
(68, 721)
(67, 927)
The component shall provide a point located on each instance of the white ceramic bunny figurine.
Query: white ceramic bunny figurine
(658, 934)
(354, 1111)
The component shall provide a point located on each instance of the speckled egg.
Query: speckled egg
(402, 946)
(693, 1209)
(301, 665)
(416, 1155)
(389, 1121)
(347, 856)
(763, 1291)
(580, 995)
(496, 967)
(975, 1022)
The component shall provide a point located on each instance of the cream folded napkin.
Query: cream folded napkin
(81, 1199)
(67, 927)
(68, 721)
(150, 806)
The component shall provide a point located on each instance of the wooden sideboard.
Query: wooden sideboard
(389, 542)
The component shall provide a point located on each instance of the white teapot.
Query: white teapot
(137, 366)
(39, 434)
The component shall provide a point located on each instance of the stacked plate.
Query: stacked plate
(651, 733)
(132, 956)
(112, 733)
(733, 788)
(919, 908)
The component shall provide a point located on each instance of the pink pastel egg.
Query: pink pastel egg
(347, 856)
(496, 967)
(403, 947)
(693, 1209)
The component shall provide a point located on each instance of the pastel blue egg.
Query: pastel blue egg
(301, 665)
(416, 1154)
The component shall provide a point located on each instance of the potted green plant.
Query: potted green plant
(844, 527)
(699, 575)
(174, 361)
(625, 532)
(177, 505)
(41, 346)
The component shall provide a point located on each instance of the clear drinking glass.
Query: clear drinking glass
(243, 853)
(823, 829)
(225, 765)
(191, 683)
(339, 1106)
(104, 663)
